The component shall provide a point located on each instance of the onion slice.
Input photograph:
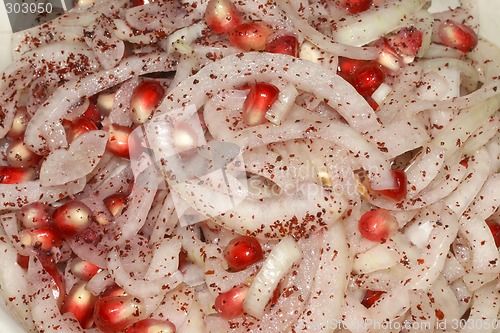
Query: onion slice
(277, 265)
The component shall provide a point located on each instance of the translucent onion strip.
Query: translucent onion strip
(327, 297)
(276, 266)
(235, 70)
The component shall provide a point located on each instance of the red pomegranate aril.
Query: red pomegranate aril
(399, 193)
(145, 98)
(457, 35)
(222, 16)
(79, 126)
(407, 41)
(71, 218)
(230, 304)
(34, 215)
(347, 67)
(242, 252)
(250, 36)
(152, 326)
(93, 113)
(23, 261)
(286, 44)
(118, 140)
(259, 99)
(116, 313)
(495, 231)
(371, 296)
(12, 175)
(42, 238)
(83, 269)
(357, 6)
(377, 225)
(19, 124)
(80, 303)
(115, 202)
(368, 78)
(19, 155)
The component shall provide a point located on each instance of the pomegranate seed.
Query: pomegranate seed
(19, 155)
(371, 296)
(357, 6)
(259, 99)
(114, 290)
(230, 304)
(399, 193)
(115, 313)
(407, 41)
(93, 113)
(11, 175)
(368, 78)
(83, 269)
(72, 218)
(23, 261)
(42, 238)
(19, 124)
(458, 36)
(79, 126)
(377, 225)
(495, 231)
(251, 36)
(347, 67)
(152, 326)
(145, 98)
(286, 44)
(115, 202)
(80, 303)
(118, 140)
(34, 215)
(136, 3)
(222, 16)
(242, 252)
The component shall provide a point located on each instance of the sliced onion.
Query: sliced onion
(235, 70)
(366, 27)
(45, 124)
(379, 257)
(63, 166)
(336, 45)
(138, 285)
(277, 265)
(330, 280)
(296, 289)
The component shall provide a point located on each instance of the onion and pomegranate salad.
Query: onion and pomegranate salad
(251, 166)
